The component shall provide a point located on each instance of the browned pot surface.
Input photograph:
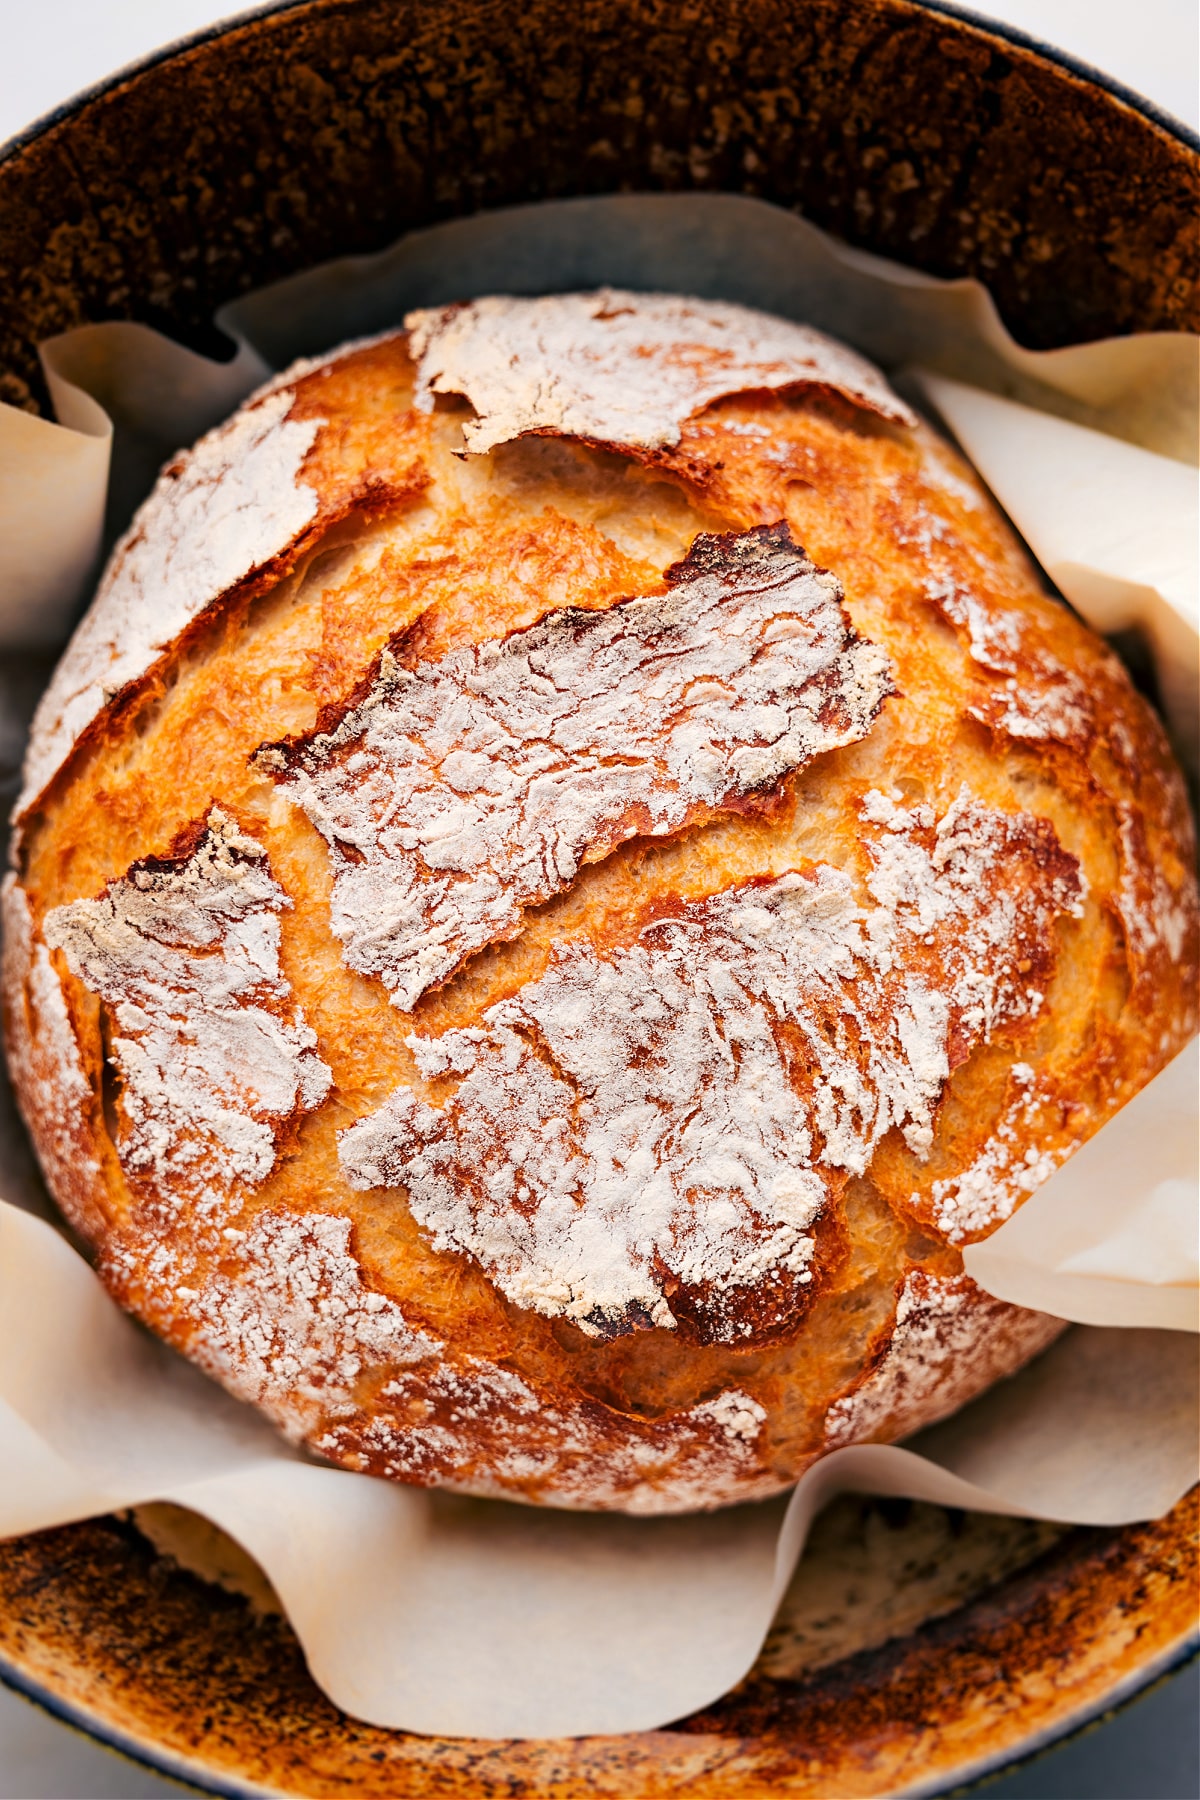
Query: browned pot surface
(1010, 1634)
(326, 127)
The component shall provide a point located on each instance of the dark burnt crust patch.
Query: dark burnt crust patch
(454, 795)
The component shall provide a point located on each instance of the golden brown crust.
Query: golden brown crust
(408, 1347)
(455, 795)
(947, 1342)
(305, 456)
(51, 1083)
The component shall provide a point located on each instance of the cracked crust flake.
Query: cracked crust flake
(647, 1135)
(458, 793)
(215, 1062)
(622, 369)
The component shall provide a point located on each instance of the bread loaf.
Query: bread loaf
(570, 868)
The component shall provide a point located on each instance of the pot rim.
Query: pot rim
(950, 9)
(962, 1782)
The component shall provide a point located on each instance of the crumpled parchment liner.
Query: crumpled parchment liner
(1114, 1237)
(475, 1618)
(438, 1614)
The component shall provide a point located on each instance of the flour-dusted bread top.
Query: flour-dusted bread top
(214, 1062)
(225, 521)
(237, 512)
(569, 870)
(459, 793)
(633, 1138)
(621, 369)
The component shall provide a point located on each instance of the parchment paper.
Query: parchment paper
(1114, 1237)
(438, 1614)
(474, 1618)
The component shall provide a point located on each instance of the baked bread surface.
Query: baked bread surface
(547, 910)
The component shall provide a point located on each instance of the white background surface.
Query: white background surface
(49, 49)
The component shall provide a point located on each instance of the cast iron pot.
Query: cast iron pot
(322, 128)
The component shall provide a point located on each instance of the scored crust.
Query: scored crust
(459, 793)
(648, 1133)
(531, 976)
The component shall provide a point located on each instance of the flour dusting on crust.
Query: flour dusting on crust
(463, 791)
(476, 1426)
(1155, 915)
(948, 1337)
(1041, 700)
(290, 1324)
(1008, 1169)
(289, 1321)
(215, 516)
(43, 1052)
(215, 1062)
(647, 1135)
(618, 368)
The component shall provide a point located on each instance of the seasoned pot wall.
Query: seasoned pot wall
(332, 126)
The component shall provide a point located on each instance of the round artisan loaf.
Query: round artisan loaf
(570, 867)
